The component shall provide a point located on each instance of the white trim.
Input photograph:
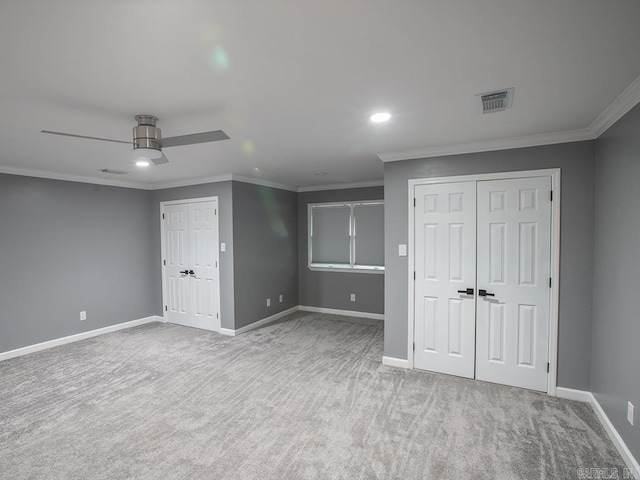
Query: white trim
(554, 271)
(490, 145)
(264, 183)
(259, 323)
(628, 99)
(572, 394)
(163, 267)
(340, 186)
(77, 337)
(618, 441)
(190, 200)
(221, 178)
(27, 172)
(356, 269)
(345, 313)
(395, 362)
(554, 173)
(192, 181)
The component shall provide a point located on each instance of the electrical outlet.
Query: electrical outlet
(223, 247)
(268, 302)
(630, 412)
(353, 297)
(281, 298)
(83, 315)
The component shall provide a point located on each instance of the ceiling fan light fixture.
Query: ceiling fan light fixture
(142, 163)
(148, 153)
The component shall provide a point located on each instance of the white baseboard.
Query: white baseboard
(395, 362)
(571, 394)
(615, 437)
(346, 313)
(78, 336)
(259, 323)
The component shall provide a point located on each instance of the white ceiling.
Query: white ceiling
(292, 82)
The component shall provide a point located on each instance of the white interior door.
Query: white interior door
(192, 280)
(203, 235)
(445, 263)
(177, 264)
(514, 252)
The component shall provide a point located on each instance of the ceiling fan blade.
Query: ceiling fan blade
(160, 161)
(84, 136)
(194, 138)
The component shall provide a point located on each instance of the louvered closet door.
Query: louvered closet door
(514, 251)
(445, 262)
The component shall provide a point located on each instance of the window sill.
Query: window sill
(329, 268)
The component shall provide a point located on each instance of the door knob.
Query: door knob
(468, 291)
(191, 272)
(484, 293)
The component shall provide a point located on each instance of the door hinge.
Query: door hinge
(165, 308)
(164, 262)
(215, 211)
(163, 216)
(548, 367)
(217, 315)
(414, 274)
(552, 195)
(414, 201)
(216, 264)
(549, 282)
(414, 346)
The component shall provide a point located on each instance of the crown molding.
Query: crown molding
(27, 172)
(490, 145)
(188, 182)
(628, 99)
(341, 186)
(264, 183)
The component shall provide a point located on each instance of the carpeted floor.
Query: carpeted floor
(305, 398)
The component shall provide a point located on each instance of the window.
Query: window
(347, 236)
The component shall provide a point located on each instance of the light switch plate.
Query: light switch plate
(223, 247)
(402, 250)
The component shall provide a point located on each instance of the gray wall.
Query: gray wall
(577, 161)
(265, 228)
(615, 371)
(333, 289)
(222, 190)
(67, 247)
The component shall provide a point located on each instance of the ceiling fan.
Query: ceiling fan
(148, 142)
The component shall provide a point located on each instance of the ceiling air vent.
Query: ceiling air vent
(494, 101)
(114, 172)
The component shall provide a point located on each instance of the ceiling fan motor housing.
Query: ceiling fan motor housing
(146, 134)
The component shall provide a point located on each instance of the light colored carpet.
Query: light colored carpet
(305, 398)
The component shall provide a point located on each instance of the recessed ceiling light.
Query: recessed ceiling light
(142, 163)
(380, 117)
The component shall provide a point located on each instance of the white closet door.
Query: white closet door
(445, 262)
(178, 258)
(203, 235)
(514, 251)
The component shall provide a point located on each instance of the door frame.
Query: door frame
(164, 204)
(554, 268)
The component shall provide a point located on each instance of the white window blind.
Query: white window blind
(347, 236)
(369, 234)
